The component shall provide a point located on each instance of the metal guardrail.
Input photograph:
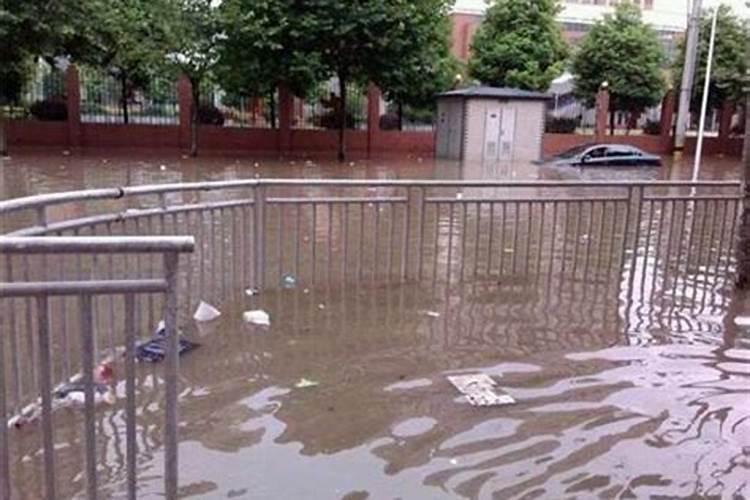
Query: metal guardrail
(669, 241)
(169, 248)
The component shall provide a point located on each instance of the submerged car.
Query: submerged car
(606, 155)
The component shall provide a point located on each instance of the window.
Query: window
(618, 152)
(597, 153)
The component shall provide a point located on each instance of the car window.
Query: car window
(618, 152)
(597, 153)
(575, 151)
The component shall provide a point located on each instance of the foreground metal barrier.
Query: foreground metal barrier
(649, 250)
(85, 291)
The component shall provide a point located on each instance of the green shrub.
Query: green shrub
(561, 125)
(652, 127)
(49, 110)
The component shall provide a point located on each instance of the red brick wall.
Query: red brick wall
(463, 27)
(36, 133)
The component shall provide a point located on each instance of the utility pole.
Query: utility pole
(688, 72)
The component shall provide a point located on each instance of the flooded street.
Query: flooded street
(616, 335)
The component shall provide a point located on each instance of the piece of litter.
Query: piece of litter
(288, 281)
(306, 291)
(305, 383)
(459, 196)
(162, 167)
(206, 312)
(431, 314)
(66, 153)
(257, 317)
(454, 461)
(256, 164)
(252, 292)
(479, 390)
(321, 306)
(351, 164)
(742, 321)
(508, 250)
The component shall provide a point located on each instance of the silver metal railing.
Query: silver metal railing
(41, 293)
(652, 252)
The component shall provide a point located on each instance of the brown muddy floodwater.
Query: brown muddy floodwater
(643, 394)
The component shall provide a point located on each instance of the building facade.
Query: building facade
(668, 17)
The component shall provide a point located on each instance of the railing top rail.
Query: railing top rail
(96, 244)
(96, 287)
(43, 200)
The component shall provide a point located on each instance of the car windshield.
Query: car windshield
(574, 151)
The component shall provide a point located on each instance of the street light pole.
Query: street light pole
(688, 72)
(706, 92)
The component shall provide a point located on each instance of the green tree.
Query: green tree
(195, 31)
(30, 29)
(263, 48)
(361, 40)
(519, 44)
(427, 69)
(625, 52)
(127, 39)
(730, 59)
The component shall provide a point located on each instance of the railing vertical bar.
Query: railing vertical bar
(516, 230)
(613, 254)
(376, 246)
(420, 234)
(280, 242)
(344, 240)
(576, 241)
(4, 455)
(694, 208)
(491, 239)
(464, 235)
(15, 356)
(668, 249)
(297, 239)
(709, 244)
(360, 254)
(45, 387)
(735, 216)
(702, 238)
(451, 209)
(657, 253)
(553, 244)
(259, 233)
(647, 248)
(589, 237)
(331, 246)
(130, 398)
(529, 212)
(503, 217)
(565, 228)
(632, 195)
(314, 243)
(222, 229)
(29, 323)
(678, 261)
(540, 240)
(87, 367)
(722, 233)
(405, 235)
(477, 240)
(171, 371)
(436, 247)
(391, 240)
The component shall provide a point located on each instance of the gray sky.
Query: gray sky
(737, 5)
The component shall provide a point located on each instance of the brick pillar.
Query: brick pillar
(665, 121)
(185, 100)
(373, 117)
(602, 113)
(725, 125)
(73, 102)
(286, 112)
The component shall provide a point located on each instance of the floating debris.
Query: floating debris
(306, 383)
(321, 306)
(459, 196)
(256, 164)
(509, 250)
(66, 153)
(252, 292)
(206, 312)
(162, 167)
(155, 350)
(431, 314)
(742, 321)
(288, 281)
(479, 390)
(258, 317)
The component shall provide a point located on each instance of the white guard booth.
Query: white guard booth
(490, 124)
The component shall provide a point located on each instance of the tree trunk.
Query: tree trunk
(743, 237)
(3, 137)
(612, 122)
(400, 112)
(196, 92)
(342, 117)
(272, 102)
(124, 99)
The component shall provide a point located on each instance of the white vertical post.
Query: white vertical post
(704, 104)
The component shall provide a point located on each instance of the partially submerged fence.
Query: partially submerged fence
(655, 249)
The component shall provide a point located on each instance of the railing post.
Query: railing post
(171, 369)
(87, 366)
(420, 231)
(636, 200)
(4, 455)
(45, 387)
(259, 233)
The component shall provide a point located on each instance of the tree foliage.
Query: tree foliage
(730, 59)
(519, 44)
(427, 68)
(625, 52)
